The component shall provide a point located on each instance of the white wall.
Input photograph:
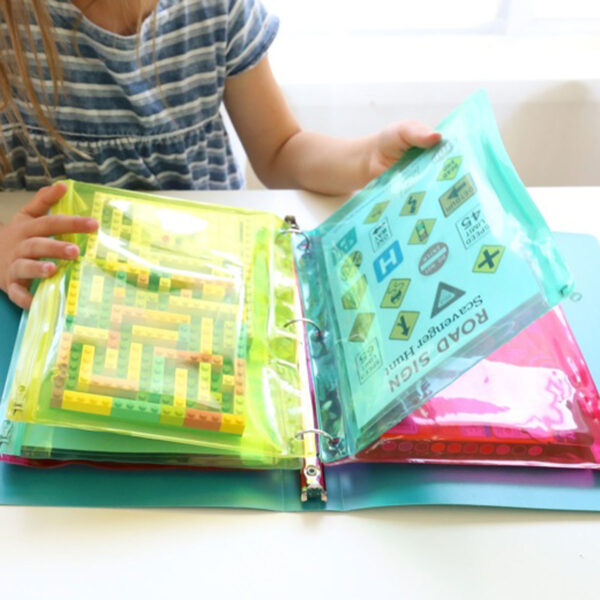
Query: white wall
(545, 91)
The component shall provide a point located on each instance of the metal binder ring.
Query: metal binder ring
(309, 321)
(333, 441)
(296, 230)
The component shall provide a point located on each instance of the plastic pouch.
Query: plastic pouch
(426, 271)
(169, 326)
(532, 402)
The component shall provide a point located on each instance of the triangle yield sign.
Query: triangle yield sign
(444, 297)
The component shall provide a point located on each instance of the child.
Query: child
(127, 93)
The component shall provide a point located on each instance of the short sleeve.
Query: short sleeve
(250, 32)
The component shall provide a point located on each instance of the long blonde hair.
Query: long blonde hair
(17, 73)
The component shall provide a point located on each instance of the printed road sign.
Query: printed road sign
(412, 204)
(472, 227)
(450, 168)
(348, 241)
(422, 231)
(488, 259)
(361, 327)
(404, 325)
(350, 267)
(376, 212)
(457, 195)
(387, 261)
(444, 297)
(368, 361)
(395, 293)
(380, 235)
(353, 297)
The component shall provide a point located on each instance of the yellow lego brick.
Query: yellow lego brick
(238, 404)
(206, 336)
(228, 383)
(213, 291)
(119, 293)
(90, 335)
(135, 362)
(72, 297)
(87, 363)
(116, 223)
(123, 388)
(91, 248)
(136, 233)
(111, 360)
(164, 337)
(97, 288)
(205, 307)
(138, 314)
(180, 392)
(87, 403)
(171, 415)
(164, 284)
(112, 257)
(232, 424)
(97, 206)
(186, 293)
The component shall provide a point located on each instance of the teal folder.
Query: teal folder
(349, 487)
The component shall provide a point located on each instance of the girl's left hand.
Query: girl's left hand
(391, 143)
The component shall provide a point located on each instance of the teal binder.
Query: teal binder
(349, 487)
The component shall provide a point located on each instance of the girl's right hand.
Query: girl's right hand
(24, 240)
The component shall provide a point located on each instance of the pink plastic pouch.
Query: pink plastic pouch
(532, 402)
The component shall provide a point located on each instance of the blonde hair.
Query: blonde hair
(17, 71)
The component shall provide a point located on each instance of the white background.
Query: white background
(350, 67)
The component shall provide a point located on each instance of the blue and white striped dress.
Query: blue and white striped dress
(134, 133)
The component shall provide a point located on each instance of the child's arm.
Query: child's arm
(23, 241)
(283, 155)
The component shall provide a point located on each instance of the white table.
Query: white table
(423, 552)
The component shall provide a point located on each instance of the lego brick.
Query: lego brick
(111, 360)
(202, 419)
(202, 307)
(87, 403)
(180, 389)
(73, 296)
(90, 335)
(102, 384)
(206, 336)
(85, 368)
(134, 411)
(153, 335)
(172, 415)
(233, 424)
(135, 362)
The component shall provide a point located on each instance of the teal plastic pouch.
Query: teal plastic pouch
(426, 271)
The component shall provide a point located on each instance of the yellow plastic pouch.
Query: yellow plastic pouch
(170, 325)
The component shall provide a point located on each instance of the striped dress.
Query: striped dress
(132, 132)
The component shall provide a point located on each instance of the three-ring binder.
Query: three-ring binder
(295, 229)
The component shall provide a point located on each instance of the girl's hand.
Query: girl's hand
(23, 241)
(391, 143)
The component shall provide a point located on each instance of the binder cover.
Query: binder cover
(349, 487)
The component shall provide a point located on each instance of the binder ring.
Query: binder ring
(333, 441)
(309, 321)
(292, 230)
